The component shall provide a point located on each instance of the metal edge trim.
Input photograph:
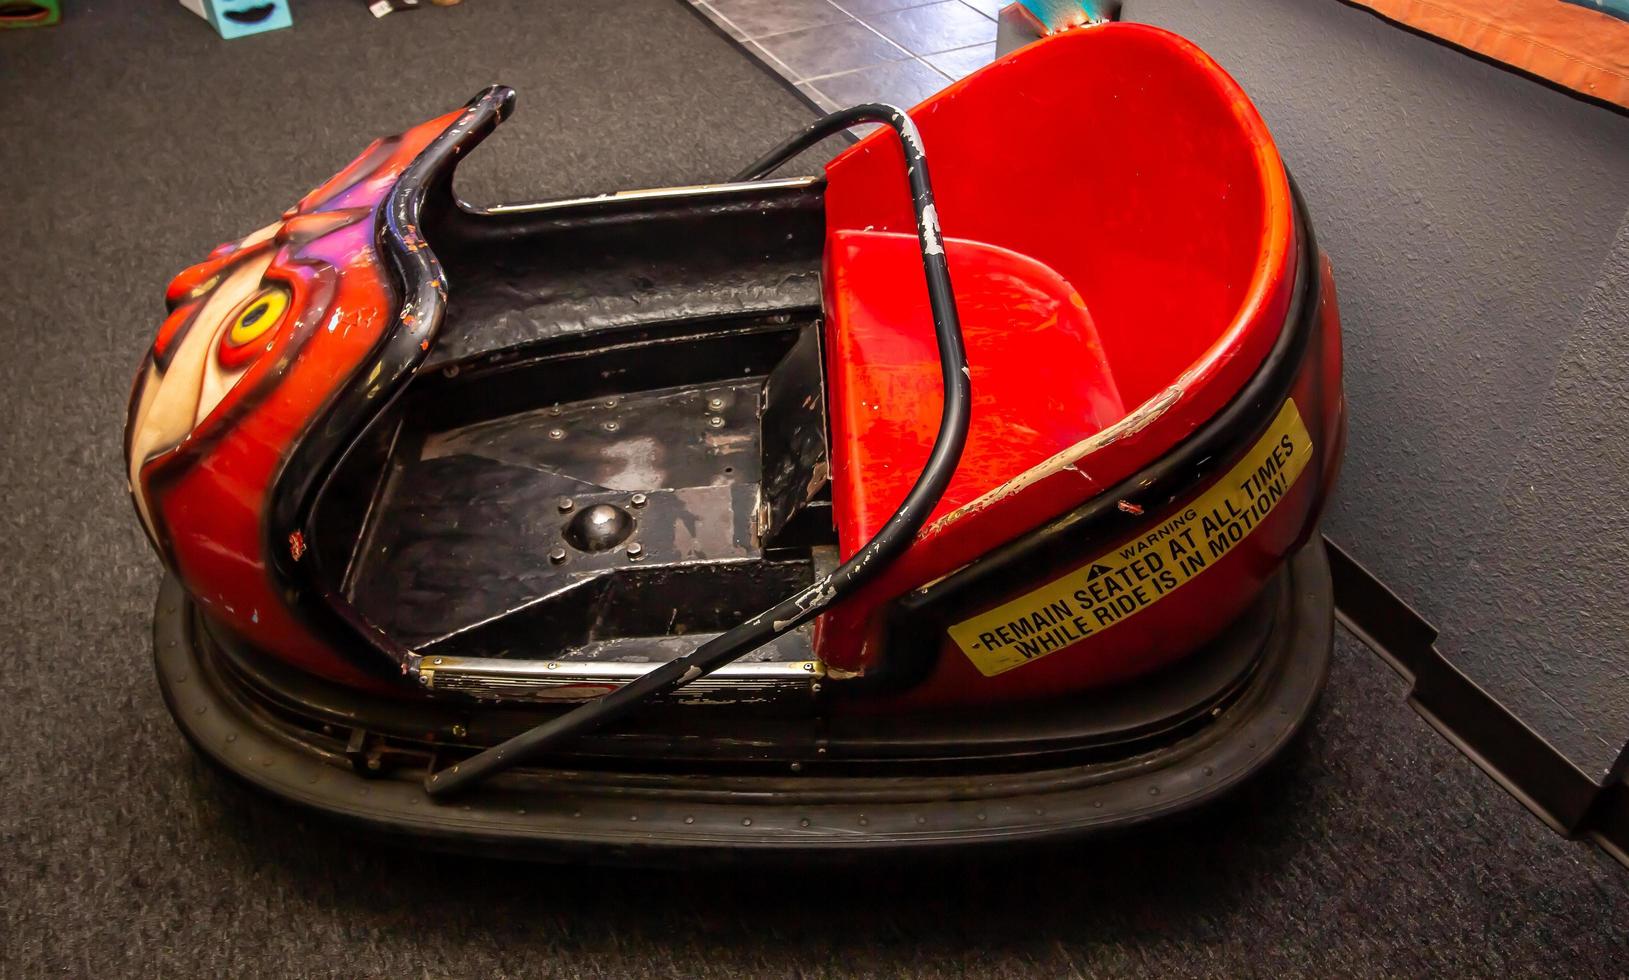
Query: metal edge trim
(565, 680)
(646, 194)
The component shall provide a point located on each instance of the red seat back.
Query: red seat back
(1118, 163)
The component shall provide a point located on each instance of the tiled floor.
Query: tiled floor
(839, 52)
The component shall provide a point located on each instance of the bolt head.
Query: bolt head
(566, 504)
(635, 550)
(638, 500)
(599, 528)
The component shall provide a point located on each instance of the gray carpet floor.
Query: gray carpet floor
(131, 142)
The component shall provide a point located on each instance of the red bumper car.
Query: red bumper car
(802, 516)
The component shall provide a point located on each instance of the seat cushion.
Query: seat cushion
(1041, 383)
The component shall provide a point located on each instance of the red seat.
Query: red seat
(1115, 163)
(1040, 380)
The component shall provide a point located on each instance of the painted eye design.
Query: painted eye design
(256, 318)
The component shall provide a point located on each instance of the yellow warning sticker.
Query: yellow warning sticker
(1121, 583)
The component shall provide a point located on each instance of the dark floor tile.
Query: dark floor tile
(759, 18)
(774, 63)
(989, 8)
(720, 20)
(817, 97)
(935, 27)
(903, 83)
(831, 49)
(865, 8)
(963, 61)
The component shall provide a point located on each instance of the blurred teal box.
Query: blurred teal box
(238, 18)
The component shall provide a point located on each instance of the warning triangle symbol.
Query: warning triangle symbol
(1098, 569)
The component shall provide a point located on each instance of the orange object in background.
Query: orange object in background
(1571, 45)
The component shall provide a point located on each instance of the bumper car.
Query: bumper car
(812, 517)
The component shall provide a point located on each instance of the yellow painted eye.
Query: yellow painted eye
(261, 314)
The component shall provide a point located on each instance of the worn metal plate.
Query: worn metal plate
(467, 548)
